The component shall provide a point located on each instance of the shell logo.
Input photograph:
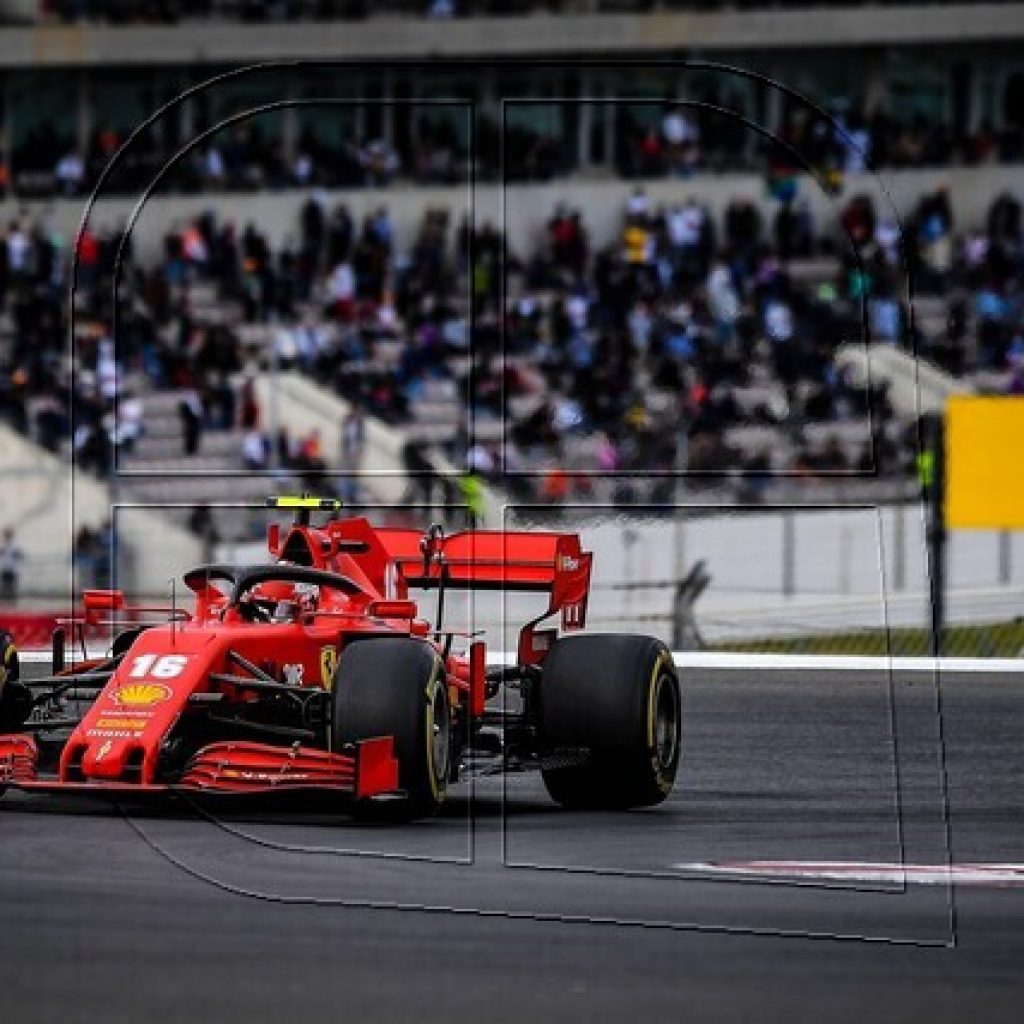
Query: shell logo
(141, 695)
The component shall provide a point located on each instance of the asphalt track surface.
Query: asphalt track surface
(506, 909)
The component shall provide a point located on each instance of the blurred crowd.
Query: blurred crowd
(638, 355)
(680, 316)
(169, 11)
(650, 140)
(39, 382)
(686, 139)
(242, 158)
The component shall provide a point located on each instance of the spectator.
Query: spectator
(70, 173)
(255, 450)
(379, 162)
(214, 168)
(192, 413)
(19, 250)
(250, 414)
(87, 551)
(10, 559)
(130, 421)
(341, 292)
(855, 139)
(204, 526)
(473, 499)
(310, 460)
(353, 445)
(723, 302)
(681, 137)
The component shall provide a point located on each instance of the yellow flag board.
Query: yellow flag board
(984, 446)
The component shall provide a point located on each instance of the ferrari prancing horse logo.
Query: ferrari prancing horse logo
(328, 663)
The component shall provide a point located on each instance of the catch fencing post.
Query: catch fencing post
(932, 474)
(788, 553)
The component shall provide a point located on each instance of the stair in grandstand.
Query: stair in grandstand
(914, 385)
(439, 410)
(170, 478)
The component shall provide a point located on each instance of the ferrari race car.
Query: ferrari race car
(317, 671)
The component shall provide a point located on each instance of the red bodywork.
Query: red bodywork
(180, 668)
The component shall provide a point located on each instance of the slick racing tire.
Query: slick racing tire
(10, 672)
(395, 686)
(614, 700)
(10, 668)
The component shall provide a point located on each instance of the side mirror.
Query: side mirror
(96, 601)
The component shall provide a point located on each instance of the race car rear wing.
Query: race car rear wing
(543, 563)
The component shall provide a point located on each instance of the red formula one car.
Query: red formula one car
(316, 670)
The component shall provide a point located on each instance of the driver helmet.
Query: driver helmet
(308, 596)
(273, 590)
(280, 596)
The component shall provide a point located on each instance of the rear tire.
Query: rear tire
(395, 686)
(618, 696)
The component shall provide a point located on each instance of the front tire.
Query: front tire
(617, 697)
(11, 716)
(395, 686)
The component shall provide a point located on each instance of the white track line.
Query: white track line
(862, 871)
(746, 662)
(843, 663)
(43, 657)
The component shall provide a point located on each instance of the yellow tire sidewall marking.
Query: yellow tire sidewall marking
(437, 788)
(5, 665)
(663, 781)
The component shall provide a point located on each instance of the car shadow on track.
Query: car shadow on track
(303, 810)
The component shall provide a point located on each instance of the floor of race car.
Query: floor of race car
(831, 842)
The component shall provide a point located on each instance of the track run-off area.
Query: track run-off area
(845, 840)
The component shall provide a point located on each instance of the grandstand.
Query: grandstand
(598, 245)
(919, 84)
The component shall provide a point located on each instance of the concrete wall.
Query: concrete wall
(777, 572)
(36, 503)
(525, 209)
(46, 506)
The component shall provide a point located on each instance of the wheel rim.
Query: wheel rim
(441, 722)
(666, 722)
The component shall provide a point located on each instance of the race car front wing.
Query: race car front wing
(368, 769)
